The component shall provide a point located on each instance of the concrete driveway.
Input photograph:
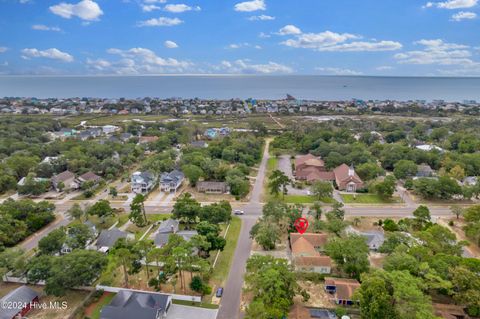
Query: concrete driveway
(186, 312)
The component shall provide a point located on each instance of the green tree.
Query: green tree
(422, 217)
(78, 236)
(273, 286)
(124, 258)
(76, 211)
(266, 235)
(101, 209)
(369, 171)
(193, 173)
(187, 209)
(113, 192)
(386, 188)
(137, 211)
(278, 181)
(405, 168)
(322, 189)
(350, 254)
(53, 242)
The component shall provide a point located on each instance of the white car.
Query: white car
(239, 212)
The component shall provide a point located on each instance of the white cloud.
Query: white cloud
(262, 17)
(338, 71)
(463, 15)
(452, 4)
(384, 68)
(170, 44)
(332, 41)
(85, 10)
(154, 1)
(437, 52)
(264, 35)
(42, 27)
(289, 29)
(160, 22)
(179, 8)
(138, 61)
(99, 64)
(250, 6)
(246, 67)
(52, 53)
(3, 49)
(149, 7)
(242, 45)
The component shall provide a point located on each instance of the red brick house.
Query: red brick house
(342, 290)
(311, 168)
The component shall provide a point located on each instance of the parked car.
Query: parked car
(239, 212)
(219, 292)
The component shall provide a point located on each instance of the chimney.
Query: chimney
(351, 171)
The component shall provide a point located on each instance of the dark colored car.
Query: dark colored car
(219, 292)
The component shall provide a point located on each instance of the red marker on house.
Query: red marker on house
(301, 225)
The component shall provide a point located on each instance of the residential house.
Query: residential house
(143, 182)
(171, 182)
(342, 290)
(374, 239)
(346, 178)
(166, 229)
(428, 148)
(306, 252)
(424, 170)
(147, 139)
(311, 168)
(124, 137)
(108, 238)
(64, 181)
(299, 311)
(213, 187)
(199, 144)
(470, 180)
(129, 304)
(88, 177)
(109, 129)
(18, 302)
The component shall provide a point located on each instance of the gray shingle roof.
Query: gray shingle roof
(139, 305)
(173, 176)
(108, 238)
(21, 295)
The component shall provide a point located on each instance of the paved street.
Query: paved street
(230, 303)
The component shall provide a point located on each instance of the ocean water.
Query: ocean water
(259, 87)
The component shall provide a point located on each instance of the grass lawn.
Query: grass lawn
(221, 270)
(195, 304)
(306, 199)
(104, 300)
(368, 199)
(272, 164)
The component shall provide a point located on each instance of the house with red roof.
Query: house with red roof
(311, 168)
(306, 253)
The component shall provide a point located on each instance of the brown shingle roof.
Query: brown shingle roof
(317, 240)
(90, 177)
(341, 174)
(302, 159)
(345, 287)
(62, 177)
(303, 246)
(318, 261)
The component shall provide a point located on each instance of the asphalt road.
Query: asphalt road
(230, 303)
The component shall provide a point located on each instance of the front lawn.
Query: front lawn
(272, 164)
(305, 199)
(224, 262)
(368, 199)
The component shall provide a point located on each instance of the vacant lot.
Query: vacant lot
(368, 199)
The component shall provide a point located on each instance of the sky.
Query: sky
(318, 37)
